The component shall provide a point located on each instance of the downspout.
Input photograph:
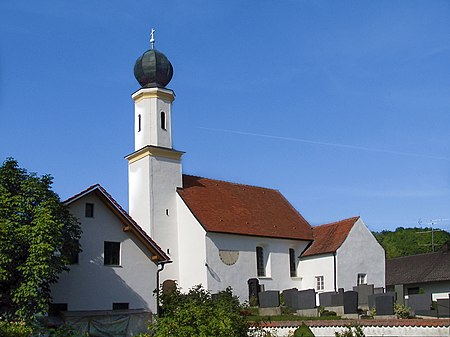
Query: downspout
(335, 273)
(162, 264)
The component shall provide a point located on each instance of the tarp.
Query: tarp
(114, 323)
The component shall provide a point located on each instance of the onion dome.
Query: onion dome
(153, 69)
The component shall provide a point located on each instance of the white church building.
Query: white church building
(196, 230)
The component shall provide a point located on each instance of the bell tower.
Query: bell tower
(154, 168)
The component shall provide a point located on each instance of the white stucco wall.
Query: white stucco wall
(220, 275)
(360, 253)
(153, 182)
(150, 109)
(90, 285)
(192, 249)
(318, 265)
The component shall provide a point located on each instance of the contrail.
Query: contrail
(345, 146)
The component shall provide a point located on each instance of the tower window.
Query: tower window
(292, 264)
(163, 120)
(139, 123)
(89, 210)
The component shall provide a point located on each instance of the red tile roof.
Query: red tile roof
(329, 237)
(226, 207)
(414, 322)
(128, 220)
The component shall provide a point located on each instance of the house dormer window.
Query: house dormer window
(163, 120)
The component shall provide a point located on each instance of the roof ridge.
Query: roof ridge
(410, 256)
(232, 183)
(336, 222)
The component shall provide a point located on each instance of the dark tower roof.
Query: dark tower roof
(153, 69)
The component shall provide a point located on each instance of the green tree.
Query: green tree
(38, 235)
(409, 241)
(198, 314)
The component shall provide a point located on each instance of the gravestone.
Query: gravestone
(384, 305)
(372, 298)
(337, 299)
(364, 291)
(269, 299)
(420, 303)
(350, 302)
(307, 299)
(379, 290)
(290, 297)
(253, 289)
(169, 287)
(443, 308)
(325, 299)
(399, 293)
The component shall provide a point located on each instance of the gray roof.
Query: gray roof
(421, 268)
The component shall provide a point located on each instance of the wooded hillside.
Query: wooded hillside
(410, 241)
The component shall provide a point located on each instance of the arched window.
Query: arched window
(260, 265)
(163, 120)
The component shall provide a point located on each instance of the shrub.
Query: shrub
(197, 313)
(14, 329)
(303, 331)
(402, 311)
(351, 331)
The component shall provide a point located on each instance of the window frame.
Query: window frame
(111, 253)
(163, 120)
(320, 283)
(89, 210)
(361, 277)
(260, 262)
(292, 263)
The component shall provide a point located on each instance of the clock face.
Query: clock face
(229, 257)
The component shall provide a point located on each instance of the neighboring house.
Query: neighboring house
(342, 255)
(423, 273)
(118, 265)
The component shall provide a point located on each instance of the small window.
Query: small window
(139, 123)
(362, 279)
(55, 308)
(111, 253)
(319, 283)
(120, 306)
(73, 258)
(292, 263)
(89, 210)
(413, 290)
(260, 267)
(163, 120)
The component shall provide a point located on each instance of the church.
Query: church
(196, 230)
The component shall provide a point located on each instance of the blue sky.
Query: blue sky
(343, 106)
